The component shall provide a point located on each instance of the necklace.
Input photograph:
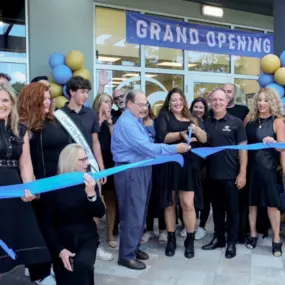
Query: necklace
(260, 123)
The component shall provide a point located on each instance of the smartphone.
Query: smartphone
(189, 135)
(71, 261)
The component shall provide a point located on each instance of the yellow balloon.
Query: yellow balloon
(56, 90)
(270, 63)
(279, 76)
(74, 60)
(83, 72)
(60, 101)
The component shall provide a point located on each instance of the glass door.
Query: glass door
(202, 85)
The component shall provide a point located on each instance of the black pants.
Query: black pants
(83, 273)
(204, 214)
(39, 271)
(225, 202)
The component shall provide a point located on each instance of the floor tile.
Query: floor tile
(266, 261)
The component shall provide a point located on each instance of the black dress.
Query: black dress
(174, 177)
(105, 141)
(68, 224)
(18, 224)
(262, 166)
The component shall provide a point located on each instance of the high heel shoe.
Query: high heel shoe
(277, 248)
(251, 242)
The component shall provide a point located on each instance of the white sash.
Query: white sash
(77, 136)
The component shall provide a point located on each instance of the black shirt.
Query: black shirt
(239, 111)
(115, 115)
(86, 120)
(226, 131)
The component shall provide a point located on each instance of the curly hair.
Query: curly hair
(274, 103)
(31, 106)
(13, 117)
(186, 114)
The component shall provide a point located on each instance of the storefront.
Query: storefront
(99, 31)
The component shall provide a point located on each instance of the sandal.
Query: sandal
(251, 242)
(277, 248)
(112, 244)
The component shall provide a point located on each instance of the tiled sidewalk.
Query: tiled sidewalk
(258, 267)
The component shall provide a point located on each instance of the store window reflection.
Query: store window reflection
(202, 89)
(246, 65)
(111, 44)
(157, 86)
(245, 91)
(208, 62)
(110, 80)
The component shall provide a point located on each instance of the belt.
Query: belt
(9, 163)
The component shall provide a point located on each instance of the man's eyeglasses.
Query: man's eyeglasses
(142, 105)
(83, 160)
(122, 96)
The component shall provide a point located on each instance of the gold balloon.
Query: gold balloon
(56, 90)
(270, 63)
(279, 76)
(60, 101)
(83, 72)
(74, 60)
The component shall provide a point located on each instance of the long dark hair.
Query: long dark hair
(185, 112)
(204, 102)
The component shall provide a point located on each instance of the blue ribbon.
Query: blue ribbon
(9, 251)
(76, 178)
(207, 151)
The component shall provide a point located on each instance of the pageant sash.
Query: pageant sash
(77, 136)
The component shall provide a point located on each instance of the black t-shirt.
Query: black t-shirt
(86, 120)
(239, 111)
(226, 131)
(115, 115)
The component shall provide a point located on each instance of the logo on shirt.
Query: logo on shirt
(227, 129)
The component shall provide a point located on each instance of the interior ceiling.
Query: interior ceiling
(263, 7)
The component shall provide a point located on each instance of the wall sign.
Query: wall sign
(155, 31)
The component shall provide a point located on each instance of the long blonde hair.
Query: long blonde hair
(13, 116)
(68, 158)
(275, 104)
(98, 101)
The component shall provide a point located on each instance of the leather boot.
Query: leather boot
(189, 245)
(171, 244)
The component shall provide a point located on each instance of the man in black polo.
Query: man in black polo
(226, 171)
(87, 122)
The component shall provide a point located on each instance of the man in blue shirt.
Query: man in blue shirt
(131, 143)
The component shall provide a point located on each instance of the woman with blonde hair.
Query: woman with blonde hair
(103, 106)
(68, 224)
(265, 123)
(18, 224)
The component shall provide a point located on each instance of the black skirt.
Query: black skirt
(19, 228)
(263, 187)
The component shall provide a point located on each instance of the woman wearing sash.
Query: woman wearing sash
(18, 224)
(265, 124)
(69, 227)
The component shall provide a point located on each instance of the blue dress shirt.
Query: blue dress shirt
(131, 142)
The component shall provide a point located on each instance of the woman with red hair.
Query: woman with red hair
(47, 140)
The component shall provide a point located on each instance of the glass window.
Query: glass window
(111, 44)
(17, 72)
(246, 88)
(158, 85)
(110, 80)
(203, 89)
(208, 62)
(12, 30)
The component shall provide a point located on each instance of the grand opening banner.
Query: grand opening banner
(155, 31)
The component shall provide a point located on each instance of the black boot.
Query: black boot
(171, 244)
(189, 245)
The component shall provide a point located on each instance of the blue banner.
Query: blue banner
(155, 31)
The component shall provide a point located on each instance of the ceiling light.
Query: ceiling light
(212, 11)
(192, 64)
(169, 63)
(118, 78)
(108, 59)
(130, 75)
(151, 75)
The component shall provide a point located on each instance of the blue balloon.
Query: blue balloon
(65, 92)
(56, 59)
(61, 74)
(278, 88)
(282, 58)
(265, 79)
